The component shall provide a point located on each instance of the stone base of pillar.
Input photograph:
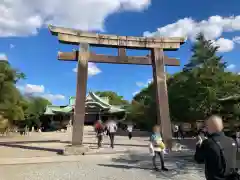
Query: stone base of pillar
(75, 150)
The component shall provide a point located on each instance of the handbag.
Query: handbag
(234, 175)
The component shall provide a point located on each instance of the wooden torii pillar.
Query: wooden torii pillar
(83, 56)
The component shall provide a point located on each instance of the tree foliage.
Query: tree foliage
(11, 100)
(194, 92)
(13, 105)
(114, 98)
(35, 109)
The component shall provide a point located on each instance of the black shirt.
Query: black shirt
(217, 165)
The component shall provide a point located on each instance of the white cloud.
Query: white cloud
(53, 97)
(135, 93)
(236, 39)
(231, 66)
(149, 81)
(140, 84)
(3, 57)
(92, 69)
(31, 88)
(144, 84)
(39, 90)
(11, 46)
(24, 17)
(212, 28)
(225, 45)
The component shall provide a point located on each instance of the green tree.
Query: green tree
(194, 93)
(35, 109)
(114, 98)
(10, 98)
(143, 108)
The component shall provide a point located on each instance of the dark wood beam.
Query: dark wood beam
(101, 58)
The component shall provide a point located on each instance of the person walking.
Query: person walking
(112, 129)
(130, 129)
(106, 128)
(99, 129)
(176, 131)
(181, 131)
(157, 148)
(217, 152)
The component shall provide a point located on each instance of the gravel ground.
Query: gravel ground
(103, 167)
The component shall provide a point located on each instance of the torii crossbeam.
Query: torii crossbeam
(120, 59)
(83, 56)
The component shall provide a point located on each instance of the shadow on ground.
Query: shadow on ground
(135, 133)
(19, 145)
(26, 145)
(176, 165)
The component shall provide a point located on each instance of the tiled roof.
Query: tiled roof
(91, 99)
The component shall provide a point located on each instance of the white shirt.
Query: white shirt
(112, 127)
(130, 128)
(238, 134)
(175, 128)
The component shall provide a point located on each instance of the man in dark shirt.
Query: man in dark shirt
(217, 152)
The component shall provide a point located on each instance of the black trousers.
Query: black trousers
(130, 135)
(160, 155)
(181, 133)
(111, 136)
(176, 135)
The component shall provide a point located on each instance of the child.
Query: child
(157, 147)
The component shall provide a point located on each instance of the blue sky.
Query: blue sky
(29, 46)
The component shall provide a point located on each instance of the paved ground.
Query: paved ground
(135, 164)
(53, 143)
(50, 144)
(103, 167)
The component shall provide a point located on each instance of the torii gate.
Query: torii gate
(83, 56)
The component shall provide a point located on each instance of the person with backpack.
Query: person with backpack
(99, 129)
(217, 152)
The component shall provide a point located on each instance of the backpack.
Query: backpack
(99, 127)
(231, 174)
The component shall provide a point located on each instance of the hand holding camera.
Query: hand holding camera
(200, 139)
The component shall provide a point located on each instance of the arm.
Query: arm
(200, 152)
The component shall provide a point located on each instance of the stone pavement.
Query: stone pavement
(52, 143)
(35, 157)
(104, 167)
